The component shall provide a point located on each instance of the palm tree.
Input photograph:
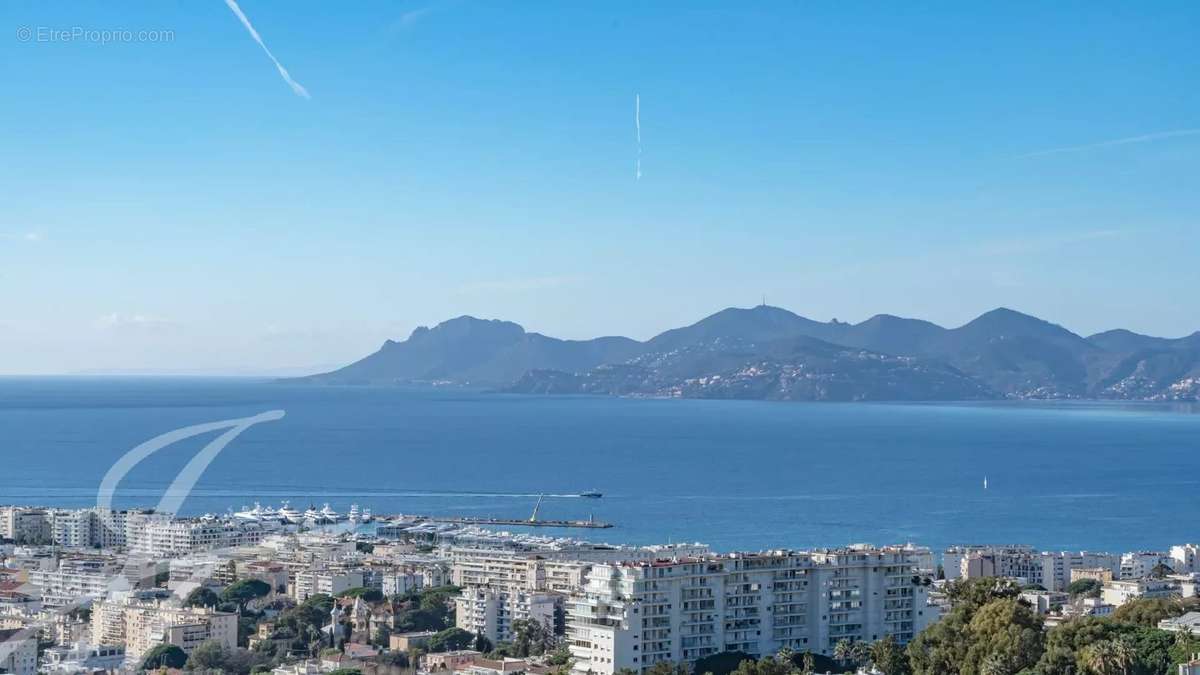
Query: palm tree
(843, 650)
(1124, 654)
(860, 652)
(1110, 657)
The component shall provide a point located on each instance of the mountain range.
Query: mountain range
(767, 352)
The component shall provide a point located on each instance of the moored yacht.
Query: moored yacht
(329, 514)
(288, 514)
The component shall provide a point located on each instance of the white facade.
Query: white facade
(1139, 564)
(18, 654)
(491, 611)
(77, 577)
(1117, 593)
(1185, 558)
(633, 615)
(329, 582)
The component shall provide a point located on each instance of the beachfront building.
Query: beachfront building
(635, 614)
(1121, 591)
(159, 535)
(82, 658)
(1020, 563)
(24, 525)
(1059, 567)
(1185, 558)
(1139, 564)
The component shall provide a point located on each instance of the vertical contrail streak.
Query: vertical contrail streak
(637, 123)
(296, 86)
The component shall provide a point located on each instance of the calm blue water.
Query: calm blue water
(731, 474)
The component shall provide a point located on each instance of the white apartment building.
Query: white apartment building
(491, 611)
(158, 535)
(329, 582)
(1185, 558)
(1057, 566)
(633, 615)
(82, 658)
(401, 582)
(502, 586)
(18, 654)
(1117, 593)
(1139, 564)
(1018, 563)
(72, 528)
(77, 577)
(24, 525)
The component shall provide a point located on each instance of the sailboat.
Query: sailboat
(985, 482)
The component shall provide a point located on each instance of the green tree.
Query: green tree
(482, 644)
(242, 592)
(668, 668)
(721, 663)
(1084, 588)
(163, 656)
(808, 664)
(986, 623)
(208, 655)
(370, 595)
(450, 639)
(888, 657)
(1148, 611)
(202, 596)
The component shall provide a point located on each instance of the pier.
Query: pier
(527, 522)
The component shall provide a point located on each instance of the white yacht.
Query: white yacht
(329, 514)
(353, 513)
(366, 514)
(312, 515)
(288, 514)
(255, 513)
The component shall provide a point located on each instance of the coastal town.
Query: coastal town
(296, 593)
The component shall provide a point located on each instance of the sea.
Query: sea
(737, 475)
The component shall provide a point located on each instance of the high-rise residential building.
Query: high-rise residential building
(633, 615)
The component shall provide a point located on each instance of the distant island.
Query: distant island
(769, 353)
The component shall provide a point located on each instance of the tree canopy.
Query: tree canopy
(163, 656)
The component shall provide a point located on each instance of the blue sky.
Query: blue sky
(175, 205)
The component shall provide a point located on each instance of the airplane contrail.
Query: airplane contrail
(637, 123)
(296, 86)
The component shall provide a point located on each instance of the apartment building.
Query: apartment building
(18, 652)
(1185, 558)
(24, 525)
(633, 615)
(76, 577)
(1117, 593)
(146, 624)
(1058, 567)
(158, 535)
(491, 611)
(327, 581)
(1139, 564)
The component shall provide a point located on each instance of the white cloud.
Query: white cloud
(1144, 138)
(296, 86)
(117, 320)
